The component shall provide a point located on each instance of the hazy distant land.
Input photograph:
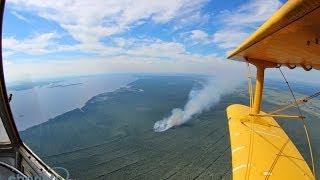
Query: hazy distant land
(112, 137)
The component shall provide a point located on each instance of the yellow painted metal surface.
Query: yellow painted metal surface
(288, 37)
(258, 89)
(270, 155)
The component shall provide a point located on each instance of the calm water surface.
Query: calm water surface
(34, 106)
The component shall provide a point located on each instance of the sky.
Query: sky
(45, 39)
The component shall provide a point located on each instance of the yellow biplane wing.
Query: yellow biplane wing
(260, 147)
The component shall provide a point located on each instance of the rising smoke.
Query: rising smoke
(199, 100)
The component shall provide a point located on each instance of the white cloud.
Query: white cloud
(195, 37)
(96, 48)
(256, 11)
(35, 45)
(19, 16)
(121, 42)
(229, 38)
(7, 53)
(89, 21)
(191, 19)
(159, 49)
(236, 23)
(223, 38)
(41, 44)
(198, 35)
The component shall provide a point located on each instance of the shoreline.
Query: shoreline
(30, 107)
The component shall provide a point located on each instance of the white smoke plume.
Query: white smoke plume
(199, 100)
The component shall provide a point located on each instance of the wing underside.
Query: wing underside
(290, 37)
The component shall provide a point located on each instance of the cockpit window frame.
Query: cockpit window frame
(5, 110)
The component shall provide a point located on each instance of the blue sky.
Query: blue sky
(57, 38)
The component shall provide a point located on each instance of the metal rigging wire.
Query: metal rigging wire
(299, 101)
(250, 89)
(296, 103)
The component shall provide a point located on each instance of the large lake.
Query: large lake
(40, 103)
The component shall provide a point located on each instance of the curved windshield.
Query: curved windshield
(115, 89)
